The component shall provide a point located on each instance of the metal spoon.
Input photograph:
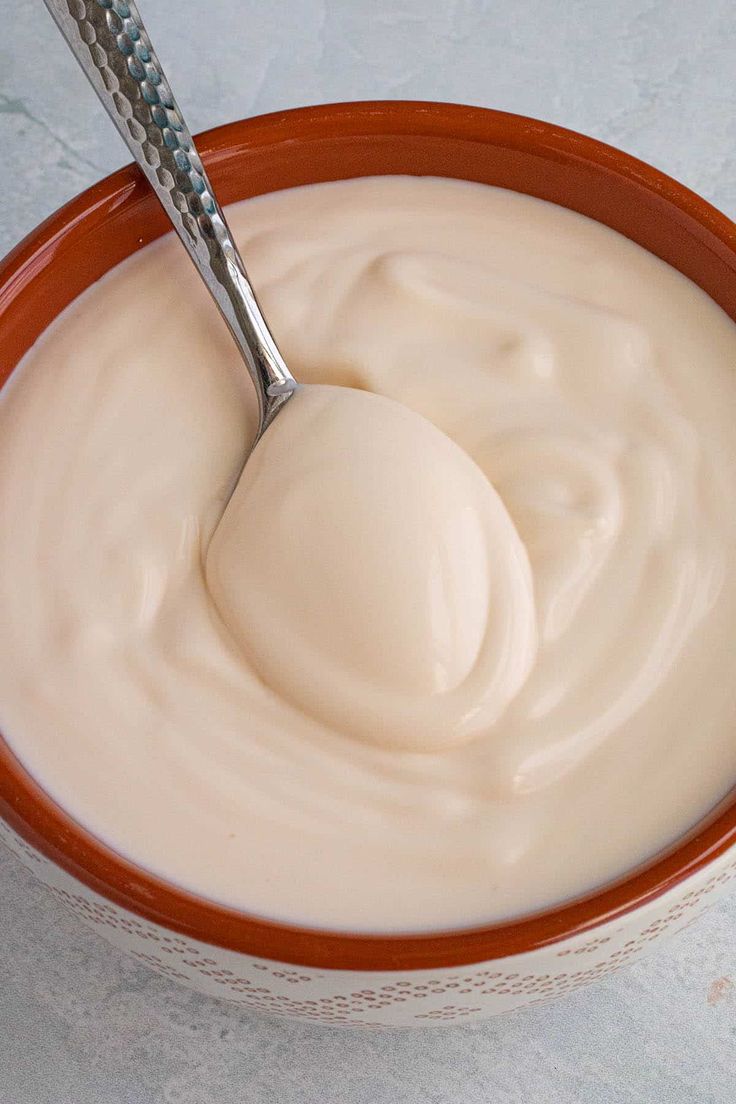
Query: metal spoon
(109, 41)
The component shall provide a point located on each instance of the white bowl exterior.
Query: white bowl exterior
(408, 998)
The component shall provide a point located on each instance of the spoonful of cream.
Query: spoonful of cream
(363, 562)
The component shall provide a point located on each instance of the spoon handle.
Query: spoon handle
(109, 41)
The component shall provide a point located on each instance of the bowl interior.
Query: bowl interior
(119, 215)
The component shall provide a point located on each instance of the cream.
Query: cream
(372, 574)
(493, 684)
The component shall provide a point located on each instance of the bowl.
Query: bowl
(333, 977)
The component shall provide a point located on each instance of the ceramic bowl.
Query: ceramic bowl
(332, 977)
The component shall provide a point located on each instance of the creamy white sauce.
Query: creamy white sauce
(368, 702)
(372, 574)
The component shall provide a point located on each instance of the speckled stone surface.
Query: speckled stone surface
(79, 1022)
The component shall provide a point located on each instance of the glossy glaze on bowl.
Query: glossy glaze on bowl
(342, 977)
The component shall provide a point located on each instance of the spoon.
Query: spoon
(109, 41)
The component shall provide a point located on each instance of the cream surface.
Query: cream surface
(495, 683)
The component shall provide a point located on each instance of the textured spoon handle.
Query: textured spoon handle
(110, 43)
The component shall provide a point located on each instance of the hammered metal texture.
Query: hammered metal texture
(111, 44)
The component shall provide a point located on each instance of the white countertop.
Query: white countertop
(79, 1022)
